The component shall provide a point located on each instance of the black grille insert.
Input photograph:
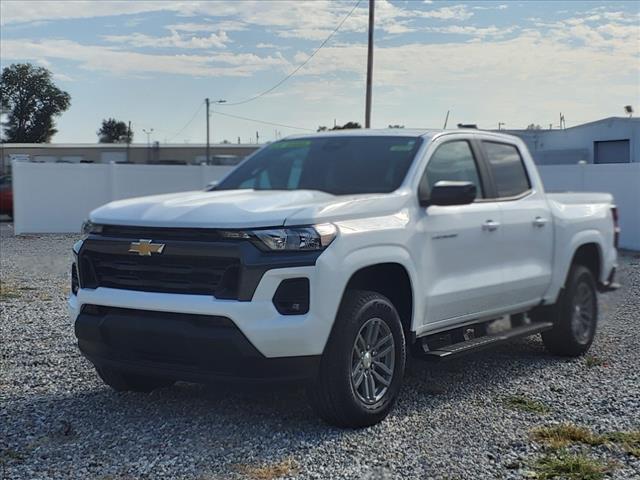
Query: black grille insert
(180, 268)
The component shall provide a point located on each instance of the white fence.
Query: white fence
(58, 197)
(622, 180)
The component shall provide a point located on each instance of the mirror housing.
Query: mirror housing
(448, 193)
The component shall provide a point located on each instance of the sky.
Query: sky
(154, 62)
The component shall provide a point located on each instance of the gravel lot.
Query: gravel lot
(455, 420)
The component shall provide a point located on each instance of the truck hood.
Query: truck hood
(242, 209)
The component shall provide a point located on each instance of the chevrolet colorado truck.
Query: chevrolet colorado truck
(333, 258)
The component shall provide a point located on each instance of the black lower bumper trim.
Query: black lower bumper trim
(195, 348)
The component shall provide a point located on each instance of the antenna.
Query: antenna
(446, 119)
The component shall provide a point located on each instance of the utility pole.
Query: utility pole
(128, 141)
(206, 100)
(148, 132)
(367, 115)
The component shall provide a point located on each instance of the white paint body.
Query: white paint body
(459, 271)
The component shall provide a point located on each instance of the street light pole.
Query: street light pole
(148, 132)
(367, 115)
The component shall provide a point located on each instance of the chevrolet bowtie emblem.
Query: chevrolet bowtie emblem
(145, 247)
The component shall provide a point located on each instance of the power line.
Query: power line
(195, 114)
(255, 97)
(262, 121)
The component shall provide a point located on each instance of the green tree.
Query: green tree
(114, 131)
(32, 101)
(346, 126)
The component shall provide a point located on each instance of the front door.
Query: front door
(461, 263)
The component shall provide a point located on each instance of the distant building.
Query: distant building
(167, 154)
(610, 140)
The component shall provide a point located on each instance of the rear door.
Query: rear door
(526, 249)
(460, 244)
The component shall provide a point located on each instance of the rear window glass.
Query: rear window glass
(508, 170)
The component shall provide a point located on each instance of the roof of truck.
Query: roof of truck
(390, 132)
(372, 132)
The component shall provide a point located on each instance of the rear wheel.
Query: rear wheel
(363, 364)
(124, 381)
(574, 315)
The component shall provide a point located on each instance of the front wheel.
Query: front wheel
(574, 315)
(363, 364)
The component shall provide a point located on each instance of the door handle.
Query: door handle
(540, 222)
(490, 225)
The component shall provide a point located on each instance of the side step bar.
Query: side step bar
(475, 344)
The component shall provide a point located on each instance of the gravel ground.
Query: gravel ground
(453, 420)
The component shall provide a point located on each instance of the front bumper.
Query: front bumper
(190, 347)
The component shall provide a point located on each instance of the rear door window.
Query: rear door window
(507, 168)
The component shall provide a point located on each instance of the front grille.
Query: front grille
(182, 267)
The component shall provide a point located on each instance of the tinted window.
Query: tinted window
(507, 168)
(453, 161)
(337, 165)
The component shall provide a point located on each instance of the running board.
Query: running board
(475, 344)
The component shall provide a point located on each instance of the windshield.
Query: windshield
(337, 165)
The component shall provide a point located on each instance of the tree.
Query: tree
(396, 126)
(346, 126)
(31, 100)
(114, 131)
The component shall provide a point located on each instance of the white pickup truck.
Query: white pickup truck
(332, 258)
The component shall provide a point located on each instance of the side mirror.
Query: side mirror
(448, 193)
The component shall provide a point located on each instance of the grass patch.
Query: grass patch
(558, 436)
(592, 361)
(525, 404)
(629, 441)
(8, 291)
(286, 467)
(571, 467)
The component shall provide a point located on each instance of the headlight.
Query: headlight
(316, 237)
(89, 227)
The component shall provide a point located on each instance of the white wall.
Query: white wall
(57, 197)
(621, 180)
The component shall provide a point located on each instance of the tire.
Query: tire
(574, 315)
(129, 382)
(357, 386)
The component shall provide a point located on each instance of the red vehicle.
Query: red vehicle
(6, 196)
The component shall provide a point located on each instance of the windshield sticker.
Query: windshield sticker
(405, 147)
(291, 144)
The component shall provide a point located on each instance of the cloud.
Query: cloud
(225, 25)
(455, 12)
(175, 40)
(119, 62)
(29, 11)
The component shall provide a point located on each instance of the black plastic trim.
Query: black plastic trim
(189, 347)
